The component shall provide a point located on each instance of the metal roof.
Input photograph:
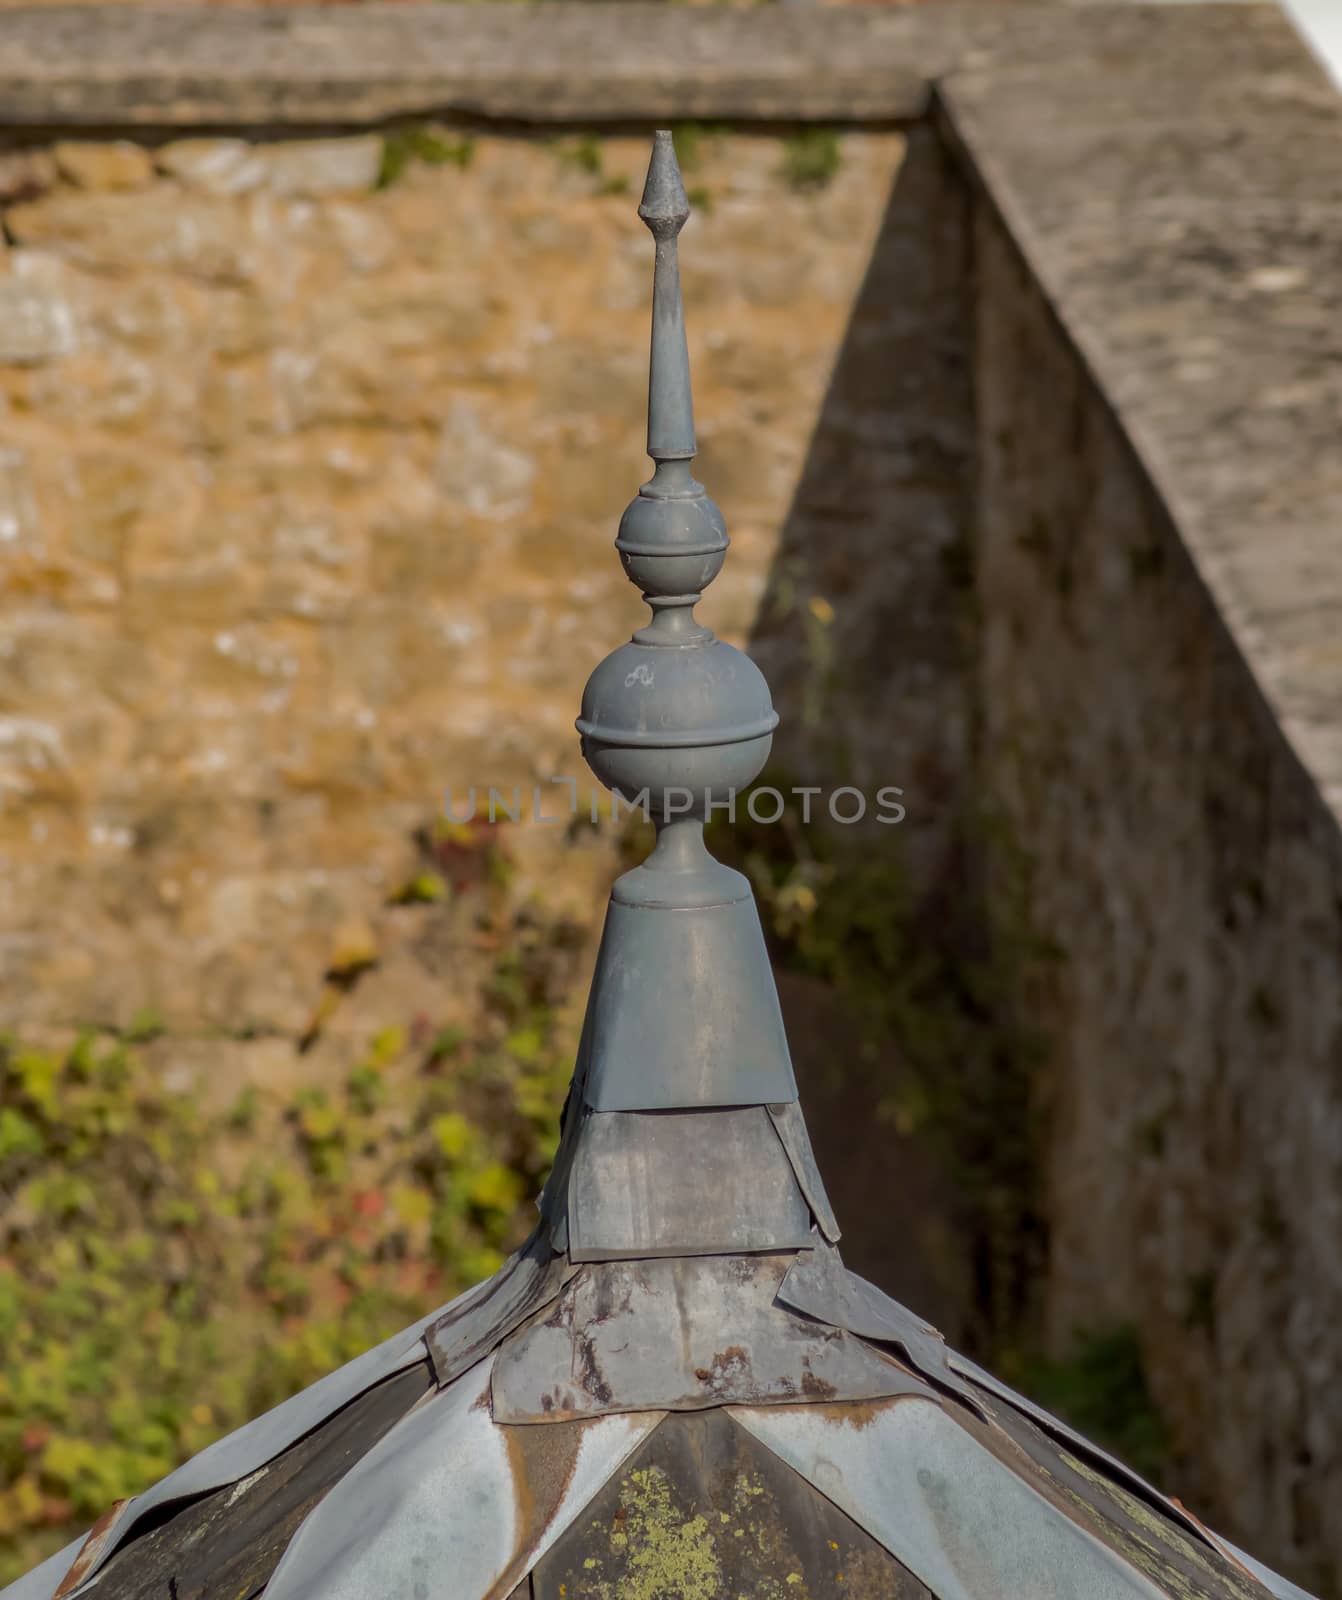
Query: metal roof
(674, 1390)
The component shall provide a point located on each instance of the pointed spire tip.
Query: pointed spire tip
(664, 206)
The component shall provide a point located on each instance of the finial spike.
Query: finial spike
(664, 207)
(670, 407)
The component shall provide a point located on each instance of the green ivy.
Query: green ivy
(584, 154)
(811, 158)
(943, 986)
(425, 144)
(933, 986)
(168, 1272)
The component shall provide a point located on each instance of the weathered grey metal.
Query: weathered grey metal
(999, 1391)
(529, 1279)
(1120, 1476)
(666, 210)
(1174, 1552)
(449, 1506)
(99, 1542)
(790, 1125)
(228, 1542)
(696, 724)
(674, 710)
(950, 1511)
(250, 1447)
(525, 1417)
(42, 1581)
(677, 1335)
(683, 1007)
(703, 1509)
(819, 1285)
(552, 1202)
(97, 1547)
(682, 1183)
(1281, 1588)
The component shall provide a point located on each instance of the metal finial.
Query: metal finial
(683, 1009)
(670, 408)
(680, 1310)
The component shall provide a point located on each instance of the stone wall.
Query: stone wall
(311, 456)
(864, 634)
(863, 628)
(1188, 874)
(311, 453)
(1157, 691)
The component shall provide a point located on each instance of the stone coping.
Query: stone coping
(138, 66)
(1169, 172)
(1183, 214)
(338, 66)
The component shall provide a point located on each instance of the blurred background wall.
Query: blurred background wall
(312, 448)
(313, 456)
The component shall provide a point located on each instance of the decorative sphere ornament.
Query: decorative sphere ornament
(676, 714)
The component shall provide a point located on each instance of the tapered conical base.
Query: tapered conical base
(683, 1010)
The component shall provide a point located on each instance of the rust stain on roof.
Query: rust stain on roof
(91, 1549)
